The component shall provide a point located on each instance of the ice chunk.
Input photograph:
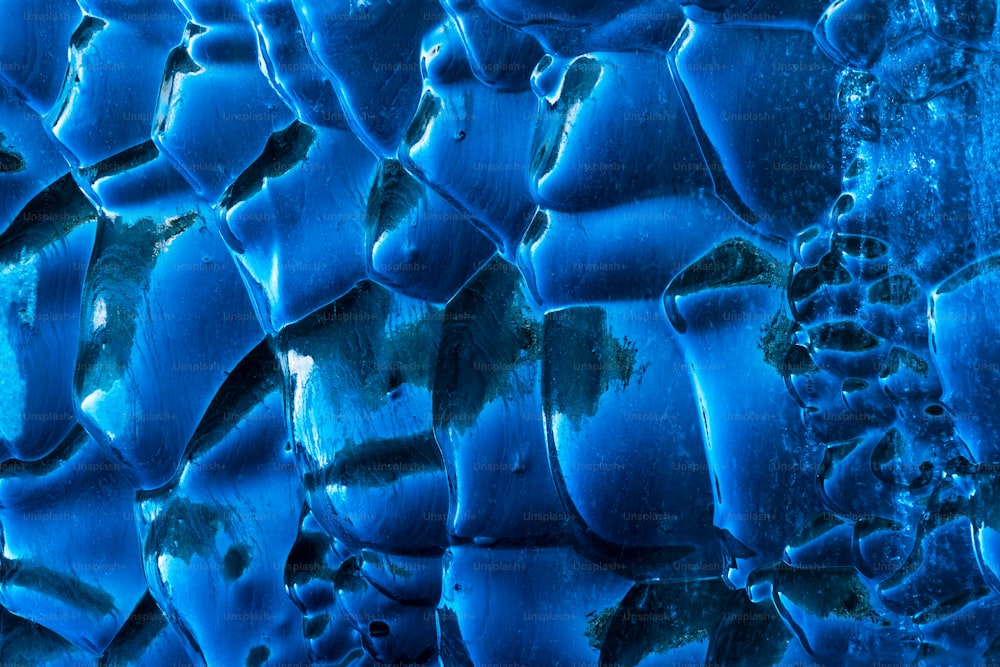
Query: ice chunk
(943, 552)
(393, 628)
(833, 614)
(488, 412)
(855, 32)
(764, 113)
(626, 253)
(471, 143)
(216, 538)
(286, 60)
(33, 54)
(528, 605)
(730, 307)
(371, 50)
(295, 221)
(360, 375)
(419, 244)
(43, 260)
(163, 304)
(625, 441)
(108, 98)
(966, 357)
(611, 130)
(70, 557)
(216, 109)
(693, 621)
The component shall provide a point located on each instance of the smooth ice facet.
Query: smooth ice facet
(216, 538)
(70, 550)
(630, 466)
(488, 412)
(216, 110)
(360, 375)
(295, 221)
(163, 303)
(377, 83)
(43, 260)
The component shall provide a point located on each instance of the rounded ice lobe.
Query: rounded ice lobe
(70, 559)
(310, 578)
(295, 221)
(629, 467)
(215, 538)
(488, 413)
(43, 258)
(360, 373)
(625, 253)
(470, 142)
(379, 84)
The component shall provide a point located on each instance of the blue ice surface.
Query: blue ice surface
(498, 332)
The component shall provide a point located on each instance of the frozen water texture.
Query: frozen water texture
(499, 332)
